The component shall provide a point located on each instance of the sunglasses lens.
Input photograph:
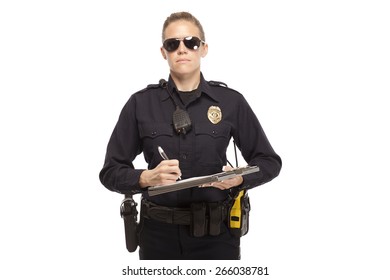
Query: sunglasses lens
(192, 43)
(171, 44)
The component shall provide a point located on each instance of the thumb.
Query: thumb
(227, 168)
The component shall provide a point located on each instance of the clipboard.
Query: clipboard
(196, 181)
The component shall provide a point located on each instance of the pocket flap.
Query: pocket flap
(155, 129)
(220, 130)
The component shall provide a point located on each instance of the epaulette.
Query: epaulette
(216, 83)
(149, 87)
(153, 86)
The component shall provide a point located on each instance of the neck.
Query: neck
(186, 82)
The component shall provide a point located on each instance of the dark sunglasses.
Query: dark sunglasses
(192, 43)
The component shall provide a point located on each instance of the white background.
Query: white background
(315, 72)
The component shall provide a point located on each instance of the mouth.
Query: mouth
(182, 60)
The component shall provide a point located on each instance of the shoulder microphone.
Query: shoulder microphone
(163, 83)
(181, 119)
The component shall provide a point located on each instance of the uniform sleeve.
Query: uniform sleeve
(118, 173)
(255, 147)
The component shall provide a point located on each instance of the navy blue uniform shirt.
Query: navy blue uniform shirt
(145, 123)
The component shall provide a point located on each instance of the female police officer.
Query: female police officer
(193, 120)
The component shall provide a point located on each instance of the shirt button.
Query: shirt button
(184, 156)
(154, 133)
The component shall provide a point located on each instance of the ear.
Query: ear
(204, 50)
(163, 53)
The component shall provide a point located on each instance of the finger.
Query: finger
(227, 184)
(167, 178)
(168, 168)
(169, 162)
(171, 169)
(218, 185)
(206, 185)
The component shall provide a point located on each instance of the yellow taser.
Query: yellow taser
(235, 212)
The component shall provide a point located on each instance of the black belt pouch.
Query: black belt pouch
(215, 213)
(198, 219)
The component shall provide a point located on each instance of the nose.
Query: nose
(182, 48)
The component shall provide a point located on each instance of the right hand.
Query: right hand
(167, 172)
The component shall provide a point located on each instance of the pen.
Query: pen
(164, 155)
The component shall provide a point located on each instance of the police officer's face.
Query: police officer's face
(183, 61)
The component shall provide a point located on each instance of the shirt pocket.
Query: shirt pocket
(211, 144)
(153, 135)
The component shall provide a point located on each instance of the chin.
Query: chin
(185, 72)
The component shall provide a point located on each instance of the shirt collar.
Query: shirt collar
(205, 88)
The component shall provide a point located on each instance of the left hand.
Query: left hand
(226, 184)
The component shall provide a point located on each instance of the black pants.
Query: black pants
(162, 241)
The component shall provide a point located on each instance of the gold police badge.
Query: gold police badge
(214, 114)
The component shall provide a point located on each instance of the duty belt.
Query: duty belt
(170, 215)
(203, 218)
